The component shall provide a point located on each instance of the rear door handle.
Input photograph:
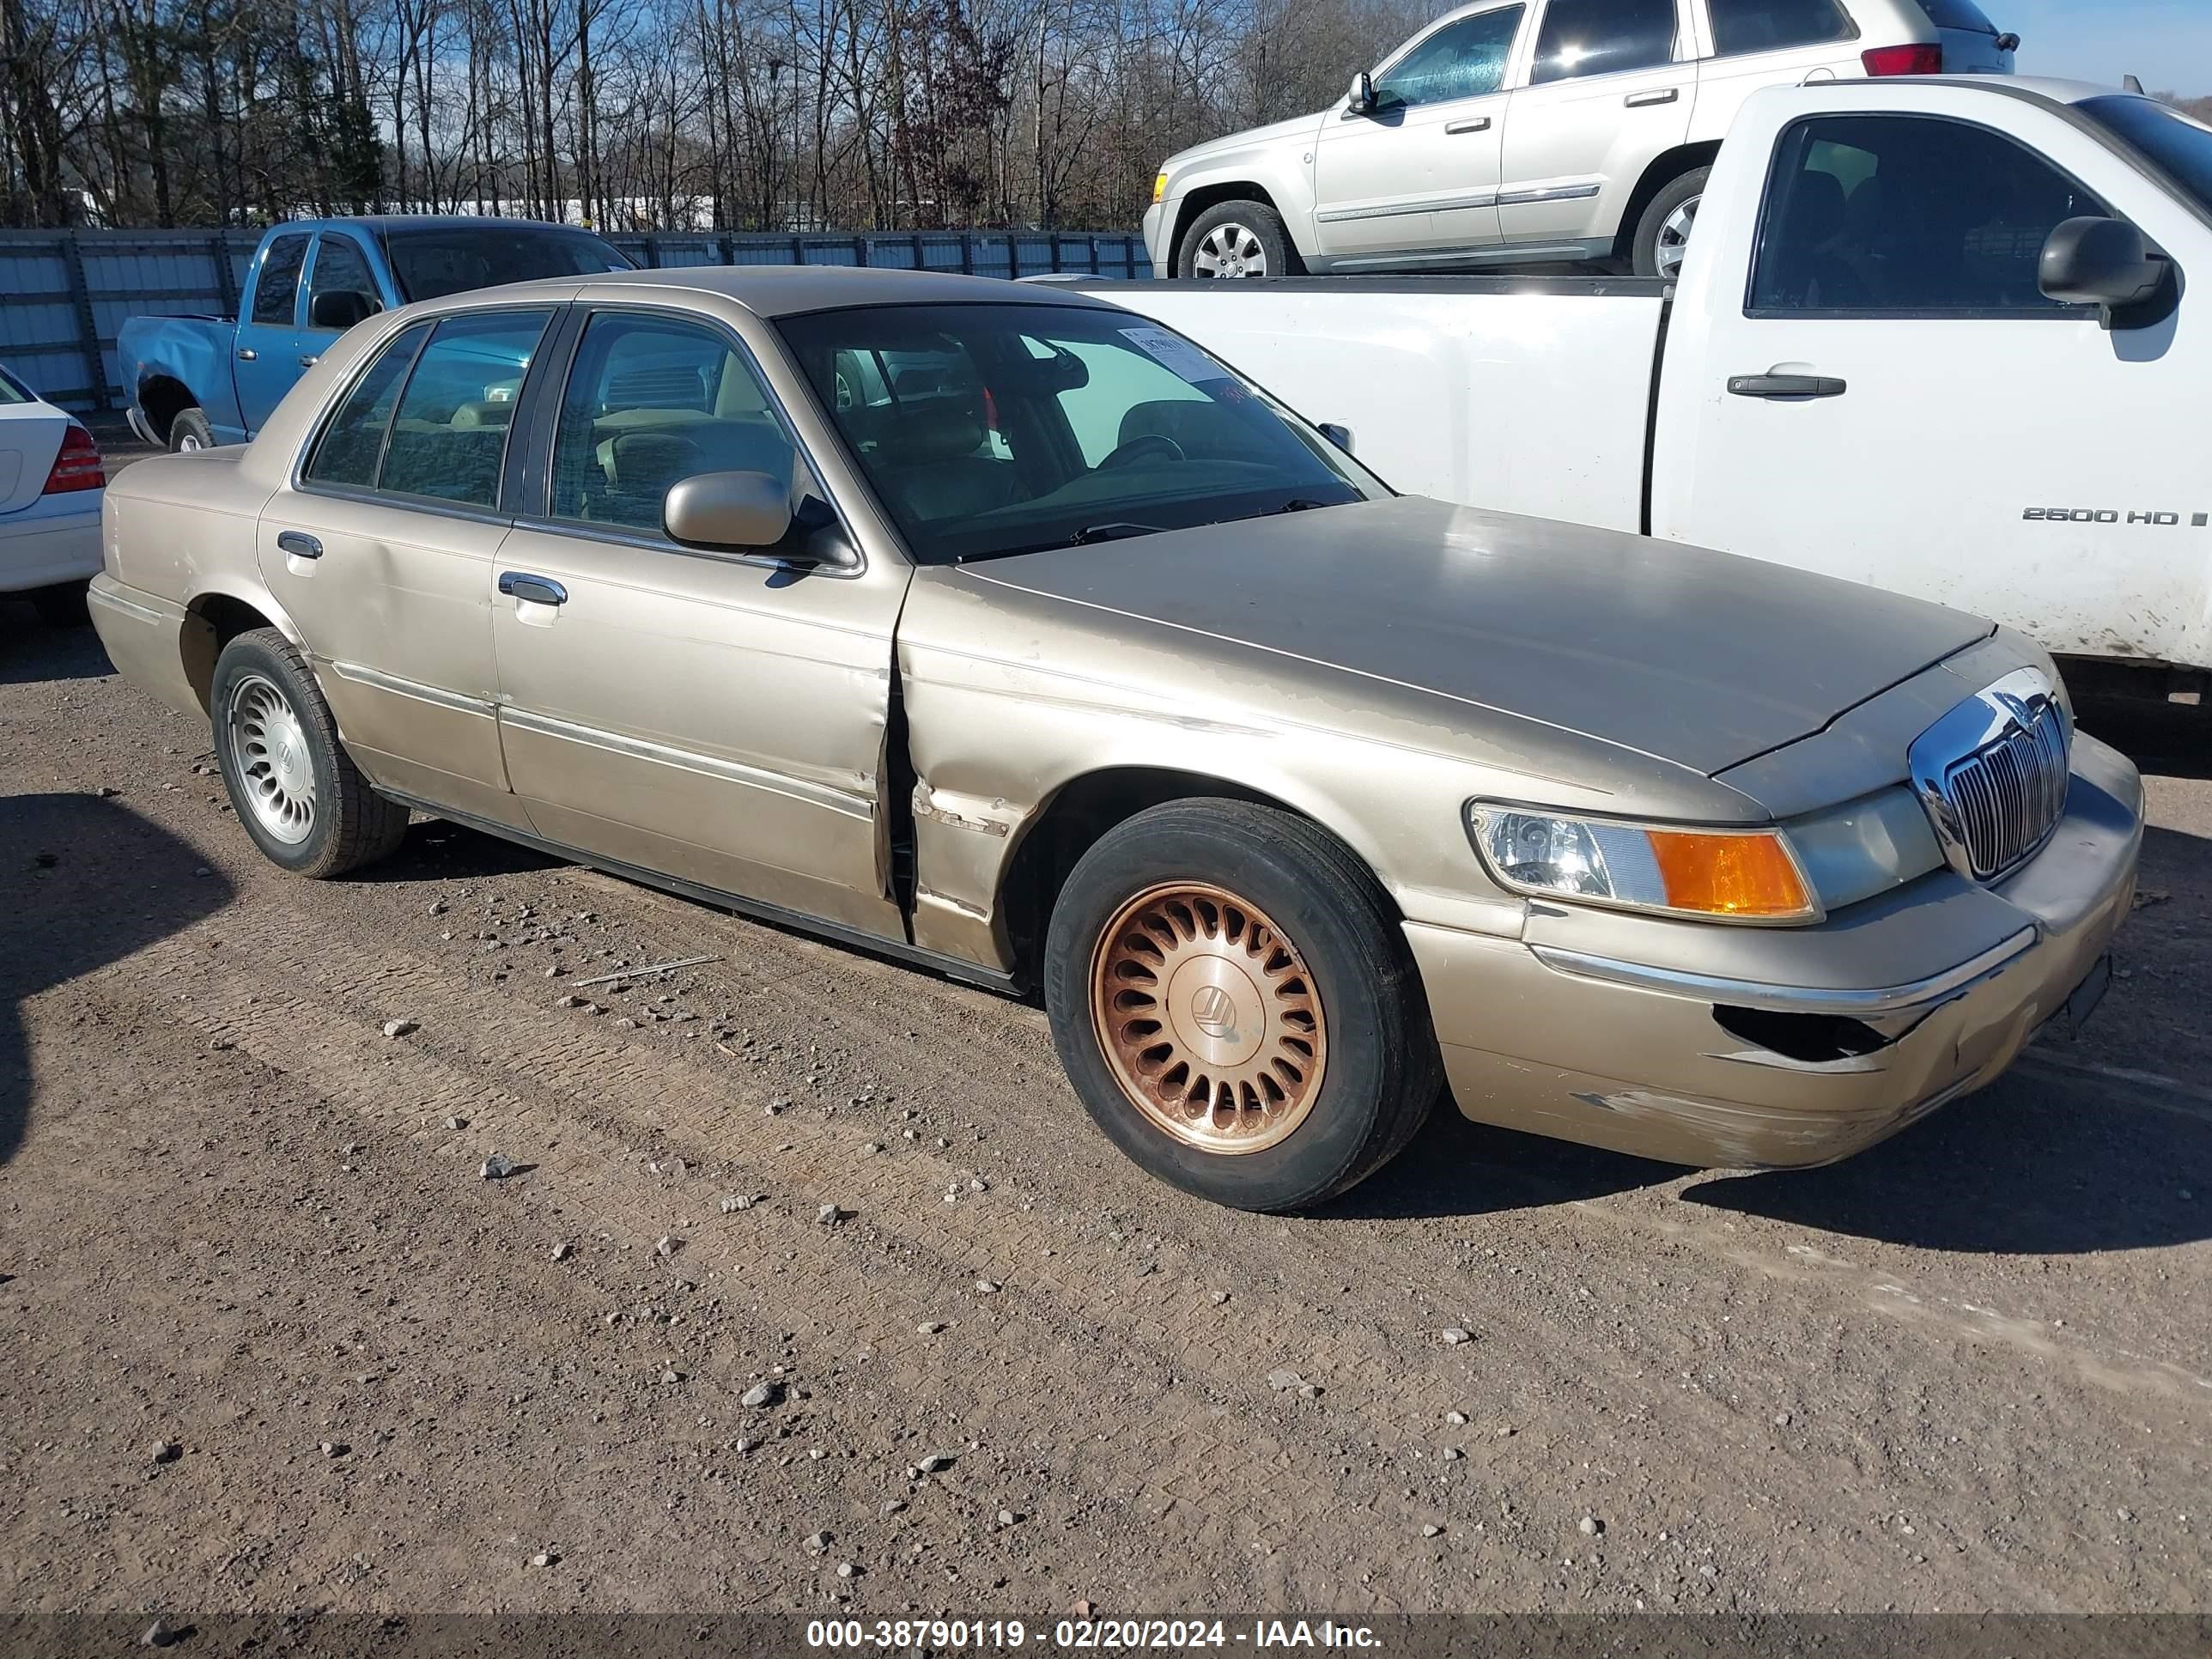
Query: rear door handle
(539, 590)
(1480, 124)
(1785, 385)
(299, 544)
(1663, 96)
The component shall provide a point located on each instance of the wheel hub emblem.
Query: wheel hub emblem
(1214, 1013)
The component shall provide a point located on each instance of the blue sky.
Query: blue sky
(2168, 43)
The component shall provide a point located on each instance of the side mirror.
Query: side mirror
(341, 308)
(1361, 99)
(2107, 264)
(727, 510)
(1338, 435)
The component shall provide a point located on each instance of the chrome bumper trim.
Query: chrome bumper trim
(1789, 998)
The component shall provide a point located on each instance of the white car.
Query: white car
(1518, 130)
(51, 479)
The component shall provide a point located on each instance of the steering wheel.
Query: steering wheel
(1152, 443)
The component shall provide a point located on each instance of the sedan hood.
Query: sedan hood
(1698, 658)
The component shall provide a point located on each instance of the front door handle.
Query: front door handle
(539, 590)
(309, 362)
(1785, 385)
(299, 544)
(1663, 96)
(247, 355)
(1480, 124)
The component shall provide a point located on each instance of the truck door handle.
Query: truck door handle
(309, 362)
(247, 354)
(1663, 95)
(539, 590)
(1785, 385)
(1480, 124)
(299, 544)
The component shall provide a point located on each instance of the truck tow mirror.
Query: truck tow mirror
(1361, 99)
(2105, 263)
(340, 309)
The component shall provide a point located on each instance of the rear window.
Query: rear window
(430, 263)
(2181, 146)
(1957, 15)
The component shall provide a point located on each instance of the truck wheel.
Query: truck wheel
(1236, 238)
(1663, 232)
(189, 429)
(1236, 1005)
(62, 605)
(294, 786)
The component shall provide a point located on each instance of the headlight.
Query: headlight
(1159, 189)
(1744, 875)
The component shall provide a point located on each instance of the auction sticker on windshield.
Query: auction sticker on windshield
(1175, 354)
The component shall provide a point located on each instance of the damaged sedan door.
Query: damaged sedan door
(716, 714)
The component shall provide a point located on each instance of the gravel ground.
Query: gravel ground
(811, 1287)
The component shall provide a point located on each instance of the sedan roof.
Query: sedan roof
(789, 290)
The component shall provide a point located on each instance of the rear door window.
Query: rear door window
(1744, 26)
(277, 290)
(353, 443)
(1603, 37)
(449, 433)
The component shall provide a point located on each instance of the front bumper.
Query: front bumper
(1155, 226)
(1634, 1057)
(51, 548)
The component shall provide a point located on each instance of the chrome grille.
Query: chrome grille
(1993, 773)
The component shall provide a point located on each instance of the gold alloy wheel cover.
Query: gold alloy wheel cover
(1208, 1017)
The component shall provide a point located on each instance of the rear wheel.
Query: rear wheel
(1663, 233)
(189, 429)
(1236, 1005)
(294, 786)
(1236, 240)
(62, 605)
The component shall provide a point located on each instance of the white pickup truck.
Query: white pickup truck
(1933, 335)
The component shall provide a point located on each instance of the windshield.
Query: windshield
(434, 261)
(990, 429)
(2181, 146)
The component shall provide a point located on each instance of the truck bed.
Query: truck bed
(1528, 394)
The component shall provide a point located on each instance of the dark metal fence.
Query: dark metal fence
(64, 294)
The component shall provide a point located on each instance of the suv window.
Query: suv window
(1910, 215)
(1742, 26)
(651, 402)
(449, 433)
(1603, 37)
(1466, 59)
(339, 268)
(278, 284)
(353, 442)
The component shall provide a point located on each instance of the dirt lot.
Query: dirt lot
(273, 1342)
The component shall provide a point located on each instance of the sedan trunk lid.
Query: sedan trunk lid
(1687, 655)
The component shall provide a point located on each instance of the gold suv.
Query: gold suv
(1005, 631)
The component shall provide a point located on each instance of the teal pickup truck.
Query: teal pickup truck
(197, 381)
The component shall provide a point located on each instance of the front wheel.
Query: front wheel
(293, 785)
(1236, 1005)
(1236, 240)
(1662, 235)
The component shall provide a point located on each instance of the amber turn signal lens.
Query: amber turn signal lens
(1159, 189)
(1729, 875)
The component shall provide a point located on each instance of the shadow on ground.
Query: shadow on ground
(31, 649)
(84, 882)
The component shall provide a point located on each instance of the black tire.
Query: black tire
(189, 429)
(1381, 1073)
(1644, 252)
(63, 604)
(349, 824)
(1239, 225)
